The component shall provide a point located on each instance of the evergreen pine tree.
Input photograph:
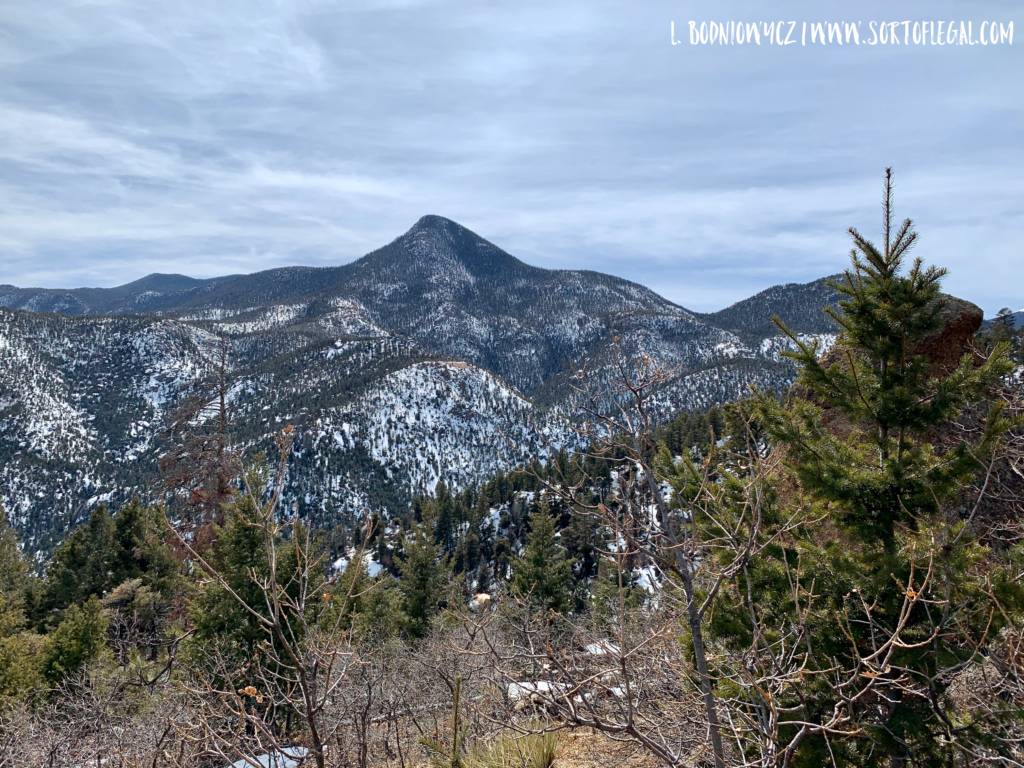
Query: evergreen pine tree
(425, 580)
(1005, 331)
(19, 649)
(13, 567)
(77, 640)
(78, 569)
(892, 556)
(139, 551)
(103, 553)
(1003, 323)
(502, 560)
(543, 572)
(443, 517)
(13, 572)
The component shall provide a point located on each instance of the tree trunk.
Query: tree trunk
(693, 616)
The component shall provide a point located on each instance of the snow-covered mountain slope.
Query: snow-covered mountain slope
(440, 284)
(81, 401)
(772, 347)
(431, 358)
(443, 421)
(460, 295)
(85, 403)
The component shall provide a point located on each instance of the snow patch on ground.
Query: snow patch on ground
(276, 316)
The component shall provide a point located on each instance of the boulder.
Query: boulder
(945, 347)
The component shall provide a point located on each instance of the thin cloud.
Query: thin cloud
(212, 138)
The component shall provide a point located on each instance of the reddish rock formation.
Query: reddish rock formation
(1002, 505)
(945, 347)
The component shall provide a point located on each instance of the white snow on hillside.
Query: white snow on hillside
(434, 421)
(770, 348)
(350, 318)
(276, 316)
(214, 313)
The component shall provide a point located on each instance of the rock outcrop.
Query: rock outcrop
(1001, 506)
(945, 347)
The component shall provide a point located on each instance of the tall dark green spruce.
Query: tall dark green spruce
(18, 647)
(240, 555)
(13, 573)
(543, 573)
(897, 594)
(103, 553)
(425, 584)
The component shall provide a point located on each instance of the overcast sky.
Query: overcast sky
(209, 138)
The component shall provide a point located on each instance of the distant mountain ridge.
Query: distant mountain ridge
(422, 361)
(798, 305)
(452, 251)
(147, 294)
(460, 295)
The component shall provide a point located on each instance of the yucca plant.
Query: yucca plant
(450, 756)
(534, 750)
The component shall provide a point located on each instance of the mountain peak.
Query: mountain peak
(163, 282)
(442, 230)
(438, 244)
(433, 221)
